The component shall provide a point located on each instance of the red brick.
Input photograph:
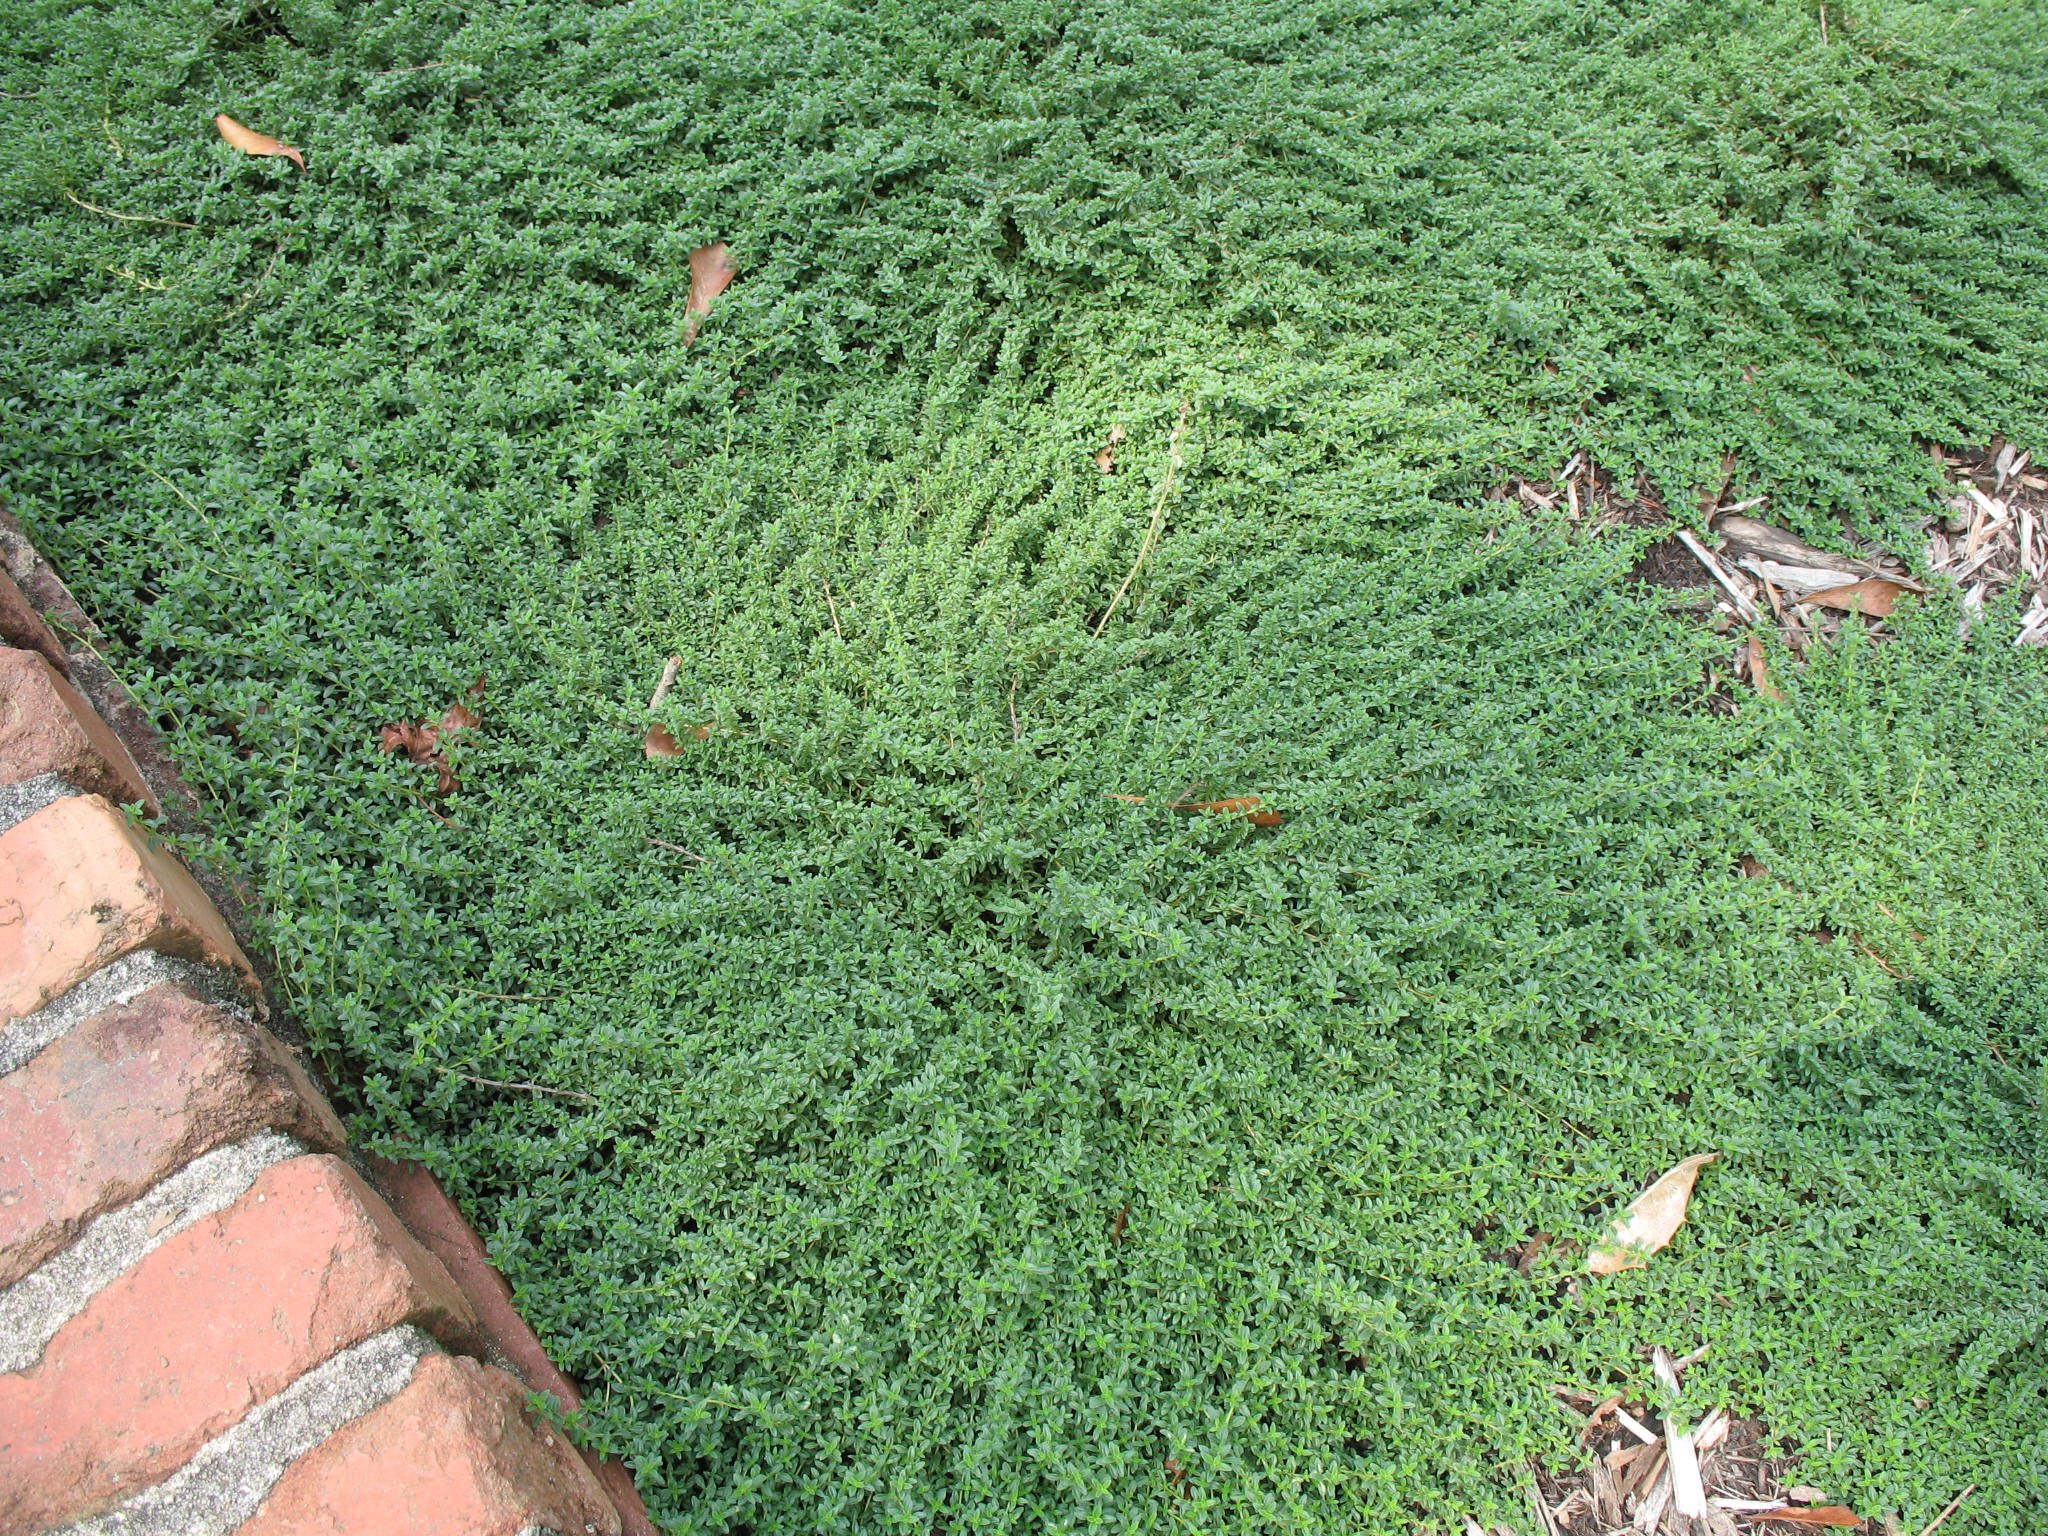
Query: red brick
(46, 726)
(129, 1096)
(417, 1196)
(220, 1318)
(455, 1453)
(79, 888)
(21, 625)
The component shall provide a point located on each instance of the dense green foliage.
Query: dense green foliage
(970, 1149)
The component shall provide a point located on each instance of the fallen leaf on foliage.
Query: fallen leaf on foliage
(422, 741)
(661, 741)
(1106, 459)
(1803, 1494)
(1245, 806)
(1759, 673)
(1875, 596)
(1651, 1220)
(250, 142)
(1825, 1514)
(711, 269)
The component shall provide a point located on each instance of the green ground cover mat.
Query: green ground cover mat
(938, 1142)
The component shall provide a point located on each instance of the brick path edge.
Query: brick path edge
(215, 1319)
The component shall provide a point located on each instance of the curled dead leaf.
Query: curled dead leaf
(711, 269)
(422, 742)
(250, 142)
(1651, 1220)
(415, 741)
(1105, 460)
(1876, 597)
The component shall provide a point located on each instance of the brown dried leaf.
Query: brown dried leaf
(422, 741)
(1875, 596)
(661, 741)
(1651, 1220)
(250, 142)
(1246, 806)
(1598, 1415)
(1525, 1254)
(415, 741)
(1106, 459)
(711, 269)
(1824, 1514)
(1759, 672)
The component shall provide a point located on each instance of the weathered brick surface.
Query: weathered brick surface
(21, 625)
(221, 1317)
(455, 1454)
(80, 887)
(46, 726)
(125, 1098)
(417, 1196)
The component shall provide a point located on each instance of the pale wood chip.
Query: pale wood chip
(1634, 1426)
(1713, 1429)
(1723, 576)
(1650, 1514)
(1627, 1455)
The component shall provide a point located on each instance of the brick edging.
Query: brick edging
(215, 1319)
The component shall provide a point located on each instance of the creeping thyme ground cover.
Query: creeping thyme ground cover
(964, 1149)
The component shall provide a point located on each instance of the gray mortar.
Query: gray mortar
(21, 800)
(224, 1485)
(123, 981)
(49, 1296)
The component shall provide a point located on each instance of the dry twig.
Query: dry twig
(1166, 488)
(493, 1082)
(1954, 1504)
(132, 218)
